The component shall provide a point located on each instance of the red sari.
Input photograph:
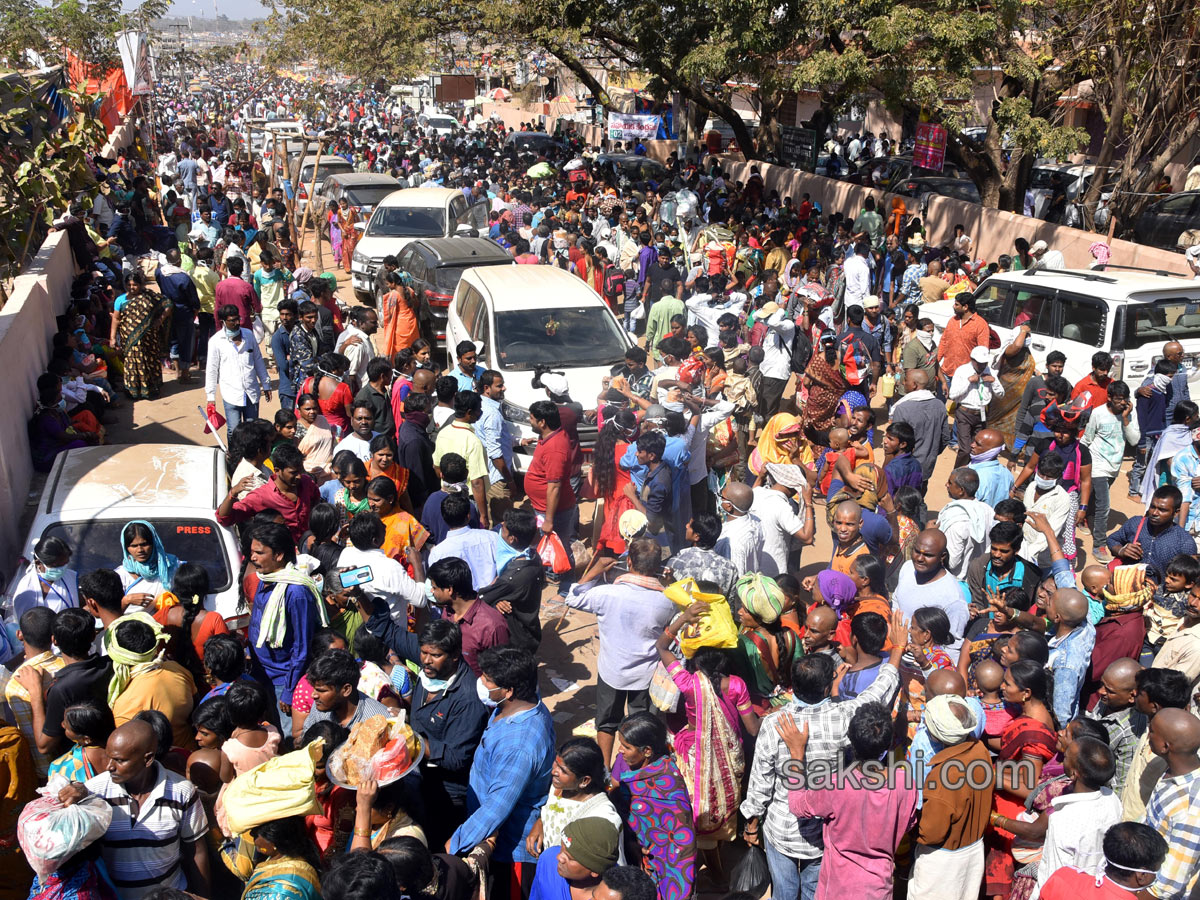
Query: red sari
(1024, 736)
(616, 503)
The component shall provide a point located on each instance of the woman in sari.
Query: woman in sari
(766, 650)
(897, 218)
(826, 387)
(608, 480)
(314, 437)
(380, 815)
(140, 331)
(18, 785)
(347, 218)
(708, 750)
(1029, 738)
(928, 635)
(578, 785)
(652, 797)
(147, 570)
(277, 860)
(351, 498)
(335, 233)
(334, 397)
(382, 464)
(87, 725)
(1015, 369)
(781, 441)
(404, 532)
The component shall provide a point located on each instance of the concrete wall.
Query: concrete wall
(992, 230)
(27, 323)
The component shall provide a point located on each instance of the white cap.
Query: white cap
(555, 383)
(981, 354)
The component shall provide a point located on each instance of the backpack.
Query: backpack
(614, 283)
(802, 351)
(854, 359)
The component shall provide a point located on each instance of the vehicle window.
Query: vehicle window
(96, 544)
(1167, 320)
(1035, 310)
(369, 196)
(963, 190)
(482, 332)
(416, 266)
(468, 306)
(407, 221)
(404, 260)
(447, 277)
(1081, 319)
(458, 206)
(989, 303)
(571, 336)
(1176, 206)
(1040, 179)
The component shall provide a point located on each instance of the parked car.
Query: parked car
(435, 266)
(1161, 223)
(525, 316)
(403, 216)
(901, 169)
(629, 166)
(442, 124)
(92, 492)
(532, 141)
(1129, 314)
(924, 187)
(363, 191)
(1076, 181)
(304, 169)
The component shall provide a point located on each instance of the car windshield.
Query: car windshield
(568, 336)
(1177, 319)
(441, 122)
(369, 196)
(960, 190)
(407, 221)
(96, 544)
(306, 174)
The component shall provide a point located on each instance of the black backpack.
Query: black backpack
(802, 351)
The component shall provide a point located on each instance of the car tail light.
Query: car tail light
(302, 193)
(438, 299)
(1118, 366)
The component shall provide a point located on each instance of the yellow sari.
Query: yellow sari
(771, 447)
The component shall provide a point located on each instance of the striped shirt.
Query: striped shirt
(19, 705)
(1174, 812)
(142, 847)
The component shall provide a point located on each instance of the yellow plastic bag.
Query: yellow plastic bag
(715, 628)
(280, 787)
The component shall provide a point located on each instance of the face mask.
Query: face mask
(485, 696)
(232, 333)
(1044, 484)
(434, 685)
(53, 574)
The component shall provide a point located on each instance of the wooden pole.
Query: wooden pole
(302, 238)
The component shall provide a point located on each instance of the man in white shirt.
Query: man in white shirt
(973, 387)
(235, 364)
(389, 579)
(965, 521)
(776, 367)
(704, 308)
(784, 507)
(362, 423)
(858, 274)
(364, 322)
(741, 537)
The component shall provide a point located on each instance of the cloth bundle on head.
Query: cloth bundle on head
(280, 787)
(1038, 247)
(1192, 253)
(1101, 251)
(942, 719)
(1128, 591)
(592, 842)
(632, 524)
(302, 275)
(761, 596)
(837, 589)
(161, 567)
(129, 663)
(273, 628)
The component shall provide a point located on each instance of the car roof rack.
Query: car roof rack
(1143, 269)
(1090, 275)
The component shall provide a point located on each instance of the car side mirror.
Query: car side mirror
(360, 227)
(479, 348)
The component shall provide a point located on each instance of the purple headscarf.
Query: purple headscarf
(837, 589)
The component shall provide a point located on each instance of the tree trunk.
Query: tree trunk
(572, 62)
(1114, 132)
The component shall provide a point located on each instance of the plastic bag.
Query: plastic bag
(664, 693)
(554, 554)
(751, 873)
(715, 628)
(280, 787)
(259, 329)
(51, 833)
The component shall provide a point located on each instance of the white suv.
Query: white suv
(1128, 313)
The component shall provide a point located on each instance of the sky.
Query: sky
(234, 9)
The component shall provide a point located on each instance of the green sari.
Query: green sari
(286, 878)
(769, 687)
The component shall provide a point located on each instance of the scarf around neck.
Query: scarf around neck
(273, 627)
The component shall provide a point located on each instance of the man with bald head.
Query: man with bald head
(158, 829)
(741, 537)
(925, 581)
(995, 480)
(927, 416)
(856, 532)
(1070, 649)
(1117, 712)
(1174, 807)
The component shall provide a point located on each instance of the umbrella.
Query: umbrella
(563, 98)
(541, 170)
(500, 94)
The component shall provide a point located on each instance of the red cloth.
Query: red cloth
(237, 292)
(1117, 637)
(1069, 883)
(1096, 392)
(959, 339)
(117, 100)
(551, 462)
(295, 515)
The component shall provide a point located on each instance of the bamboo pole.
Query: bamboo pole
(302, 238)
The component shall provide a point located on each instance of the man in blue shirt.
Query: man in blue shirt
(497, 440)
(281, 342)
(995, 480)
(474, 545)
(466, 373)
(177, 286)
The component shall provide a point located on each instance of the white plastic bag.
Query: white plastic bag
(50, 833)
(259, 329)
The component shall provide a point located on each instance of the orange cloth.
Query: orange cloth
(959, 339)
(400, 325)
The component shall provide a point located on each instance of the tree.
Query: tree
(85, 28)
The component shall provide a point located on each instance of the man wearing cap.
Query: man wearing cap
(1044, 257)
(1192, 257)
(973, 387)
(574, 869)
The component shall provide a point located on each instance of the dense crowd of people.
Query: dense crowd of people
(956, 703)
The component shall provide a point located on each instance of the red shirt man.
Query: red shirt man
(963, 333)
(551, 464)
(1094, 387)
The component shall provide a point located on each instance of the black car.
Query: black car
(1161, 223)
(533, 142)
(954, 188)
(435, 266)
(629, 166)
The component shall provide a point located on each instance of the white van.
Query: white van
(91, 493)
(522, 316)
(402, 216)
(1128, 313)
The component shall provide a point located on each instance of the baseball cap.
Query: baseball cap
(980, 354)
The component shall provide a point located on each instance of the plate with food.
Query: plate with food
(382, 747)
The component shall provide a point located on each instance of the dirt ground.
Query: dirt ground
(569, 642)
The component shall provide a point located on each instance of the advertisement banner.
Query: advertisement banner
(627, 127)
(135, 58)
(930, 149)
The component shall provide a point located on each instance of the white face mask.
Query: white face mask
(485, 696)
(1044, 484)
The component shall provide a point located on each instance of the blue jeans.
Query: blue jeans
(1141, 457)
(235, 415)
(791, 879)
(1100, 509)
